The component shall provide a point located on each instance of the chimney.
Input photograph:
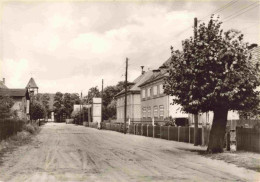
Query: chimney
(142, 67)
(4, 80)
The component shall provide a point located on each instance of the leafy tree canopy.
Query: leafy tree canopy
(6, 103)
(214, 70)
(36, 110)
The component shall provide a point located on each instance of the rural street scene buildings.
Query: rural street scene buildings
(129, 91)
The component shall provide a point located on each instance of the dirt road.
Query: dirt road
(63, 152)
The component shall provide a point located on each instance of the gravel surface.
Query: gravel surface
(65, 152)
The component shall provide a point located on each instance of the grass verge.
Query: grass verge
(19, 139)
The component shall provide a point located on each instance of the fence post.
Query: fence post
(147, 129)
(142, 130)
(189, 134)
(168, 132)
(202, 136)
(160, 131)
(228, 141)
(153, 131)
(178, 133)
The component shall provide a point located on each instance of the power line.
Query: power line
(221, 8)
(236, 14)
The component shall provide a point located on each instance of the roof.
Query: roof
(138, 81)
(31, 84)
(2, 85)
(14, 92)
(161, 73)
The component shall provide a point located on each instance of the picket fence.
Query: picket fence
(248, 139)
(181, 134)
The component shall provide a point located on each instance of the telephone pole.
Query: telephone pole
(102, 101)
(126, 67)
(196, 117)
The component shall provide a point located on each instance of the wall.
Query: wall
(159, 99)
(19, 106)
(133, 107)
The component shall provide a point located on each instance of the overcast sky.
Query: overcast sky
(71, 46)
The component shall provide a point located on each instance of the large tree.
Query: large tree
(214, 72)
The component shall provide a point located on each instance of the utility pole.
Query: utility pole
(102, 101)
(196, 117)
(126, 67)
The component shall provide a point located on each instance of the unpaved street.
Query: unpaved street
(63, 152)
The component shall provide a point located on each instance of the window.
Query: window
(161, 111)
(143, 93)
(148, 112)
(144, 112)
(148, 92)
(155, 88)
(155, 111)
(161, 89)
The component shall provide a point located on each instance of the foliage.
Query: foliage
(75, 98)
(6, 104)
(31, 128)
(68, 104)
(214, 70)
(58, 105)
(92, 92)
(36, 110)
(45, 102)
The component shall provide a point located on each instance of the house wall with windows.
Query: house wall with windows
(155, 104)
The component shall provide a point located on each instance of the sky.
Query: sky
(70, 46)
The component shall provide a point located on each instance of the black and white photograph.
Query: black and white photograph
(129, 90)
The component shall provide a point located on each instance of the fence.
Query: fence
(10, 127)
(248, 139)
(181, 134)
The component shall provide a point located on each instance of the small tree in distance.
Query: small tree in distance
(214, 72)
(36, 111)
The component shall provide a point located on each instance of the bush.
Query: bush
(31, 128)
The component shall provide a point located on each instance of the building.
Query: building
(2, 84)
(32, 86)
(133, 99)
(154, 102)
(21, 101)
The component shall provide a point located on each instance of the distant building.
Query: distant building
(21, 101)
(32, 86)
(154, 102)
(133, 99)
(2, 84)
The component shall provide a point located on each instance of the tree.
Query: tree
(6, 103)
(109, 102)
(92, 92)
(75, 98)
(58, 105)
(36, 110)
(68, 104)
(45, 103)
(214, 72)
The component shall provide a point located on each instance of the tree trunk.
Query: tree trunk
(217, 133)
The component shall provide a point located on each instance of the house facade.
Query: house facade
(133, 100)
(21, 100)
(155, 104)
